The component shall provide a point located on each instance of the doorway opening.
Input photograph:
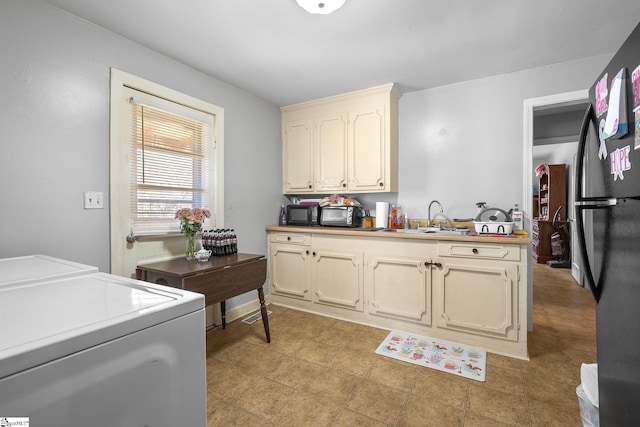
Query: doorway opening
(550, 110)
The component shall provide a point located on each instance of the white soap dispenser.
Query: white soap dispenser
(516, 215)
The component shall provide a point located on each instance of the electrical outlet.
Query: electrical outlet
(93, 200)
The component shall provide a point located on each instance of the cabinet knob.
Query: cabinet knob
(381, 184)
(309, 186)
(474, 250)
(313, 253)
(344, 185)
(288, 237)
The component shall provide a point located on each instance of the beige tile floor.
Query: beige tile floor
(301, 379)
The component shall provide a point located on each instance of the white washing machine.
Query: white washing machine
(94, 349)
(31, 268)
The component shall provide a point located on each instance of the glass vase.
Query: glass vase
(192, 245)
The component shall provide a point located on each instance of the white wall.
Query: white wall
(54, 140)
(463, 143)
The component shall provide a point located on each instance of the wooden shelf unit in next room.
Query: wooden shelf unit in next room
(553, 195)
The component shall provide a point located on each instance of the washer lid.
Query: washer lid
(42, 321)
(32, 268)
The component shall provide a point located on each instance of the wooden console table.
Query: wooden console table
(219, 278)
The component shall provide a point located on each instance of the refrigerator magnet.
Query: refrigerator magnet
(616, 122)
(635, 86)
(620, 162)
(602, 152)
(602, 91)
(636, 144)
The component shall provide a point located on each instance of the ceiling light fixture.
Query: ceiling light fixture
(323, 7)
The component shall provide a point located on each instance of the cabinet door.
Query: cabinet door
(337, 278)
(399, 287)
(477, 296)
(290, 271)
(331, 153)
(297, 156)
(367, 150)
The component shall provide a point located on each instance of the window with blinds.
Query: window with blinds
(170, 162)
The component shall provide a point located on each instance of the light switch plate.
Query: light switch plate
(93, 200)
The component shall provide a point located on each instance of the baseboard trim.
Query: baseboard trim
(245, 309)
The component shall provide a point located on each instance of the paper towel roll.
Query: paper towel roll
(382, 214)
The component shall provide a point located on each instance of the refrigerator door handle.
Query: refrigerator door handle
(588, 119)
(588, 272)
(581, 204)
(596, 203)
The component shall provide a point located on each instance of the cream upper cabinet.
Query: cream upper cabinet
(297, 155)
(367, 150)
(352, 139)
(330, 153)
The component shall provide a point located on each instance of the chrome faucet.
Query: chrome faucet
(429, 211)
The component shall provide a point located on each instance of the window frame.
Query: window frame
(119, 156)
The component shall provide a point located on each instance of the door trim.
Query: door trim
(119, 227)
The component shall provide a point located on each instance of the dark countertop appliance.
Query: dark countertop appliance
(341, 216)
(304, 215)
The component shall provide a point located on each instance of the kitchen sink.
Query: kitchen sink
(429, 230)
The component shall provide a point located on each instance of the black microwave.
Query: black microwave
(302, 215)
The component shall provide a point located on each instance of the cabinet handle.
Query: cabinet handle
(475, 251)
(432, 264)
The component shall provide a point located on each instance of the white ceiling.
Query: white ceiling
(279, 52)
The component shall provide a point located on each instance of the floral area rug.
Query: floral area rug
(436, 354)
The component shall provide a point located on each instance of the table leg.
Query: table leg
(223, 311)
(263, 311)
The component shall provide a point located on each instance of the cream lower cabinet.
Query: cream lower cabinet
(476, 289)
(399, 287)
(290, 262)
(461, 291)
(477, 298)
(336, 277)
(313, 271)
(398, 283)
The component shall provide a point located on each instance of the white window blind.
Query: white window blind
(170, 155)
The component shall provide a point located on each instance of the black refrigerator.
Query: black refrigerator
(608, 225)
